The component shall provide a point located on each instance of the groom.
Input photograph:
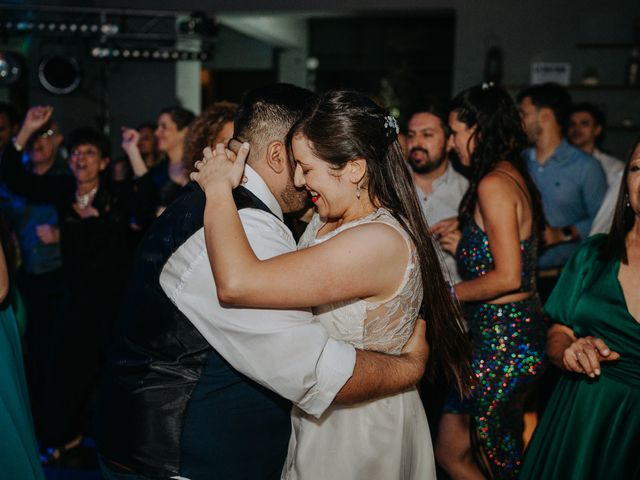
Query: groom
(196, 390)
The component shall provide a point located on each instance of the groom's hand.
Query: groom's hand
(377, 374)
(417, 347)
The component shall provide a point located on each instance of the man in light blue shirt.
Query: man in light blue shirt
(572, 183)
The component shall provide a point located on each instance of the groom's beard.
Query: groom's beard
(429, 164)
(295, 198)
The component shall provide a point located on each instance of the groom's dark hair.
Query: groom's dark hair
(267, 113)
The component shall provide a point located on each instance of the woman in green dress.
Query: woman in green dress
(591, 426)
(18, 450)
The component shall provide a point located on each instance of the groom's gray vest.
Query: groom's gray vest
(170, 404)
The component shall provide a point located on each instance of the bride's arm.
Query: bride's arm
(364, 261)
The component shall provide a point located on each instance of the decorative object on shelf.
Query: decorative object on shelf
(493, 65)
(590, 77)
(556, 72)
(633, 69)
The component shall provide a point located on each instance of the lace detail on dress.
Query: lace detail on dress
(383, 326)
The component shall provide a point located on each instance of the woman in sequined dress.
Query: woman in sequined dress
(500, 216)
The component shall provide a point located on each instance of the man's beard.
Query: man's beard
(430, 165)
(294, 198)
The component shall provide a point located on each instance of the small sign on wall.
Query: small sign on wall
(556, 72)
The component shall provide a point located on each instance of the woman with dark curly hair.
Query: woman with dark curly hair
(501, 217)
(214, 125)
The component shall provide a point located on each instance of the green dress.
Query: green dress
(591, 427)
(18, 450)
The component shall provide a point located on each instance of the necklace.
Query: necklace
(83, 200)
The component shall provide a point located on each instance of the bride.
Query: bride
(369, 270)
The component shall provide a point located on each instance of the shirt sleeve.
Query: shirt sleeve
(561, 303)
(287, 351)
(594, 189)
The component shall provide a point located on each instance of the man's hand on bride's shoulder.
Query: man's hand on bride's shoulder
(220, 169)
(417, 349)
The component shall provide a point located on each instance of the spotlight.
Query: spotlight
(52, 27)
(145, 54)
(84, 27)
(126, 53)
(94, 28)
(156, 54)
(135, 53)
(73, 27)
(10, 69)
(41, 26)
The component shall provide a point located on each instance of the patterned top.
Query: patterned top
(381, 326)
(475, 257)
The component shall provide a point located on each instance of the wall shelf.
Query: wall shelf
(579, 86)
(606, 45)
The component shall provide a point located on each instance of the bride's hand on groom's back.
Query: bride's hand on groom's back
(417, 348)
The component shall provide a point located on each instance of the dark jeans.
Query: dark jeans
(45, 297)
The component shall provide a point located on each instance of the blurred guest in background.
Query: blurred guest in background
(586, 131)
(214, 125)
(571, 183)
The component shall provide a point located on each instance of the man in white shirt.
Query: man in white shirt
(439, 186)
(586, 131)
(184, 393)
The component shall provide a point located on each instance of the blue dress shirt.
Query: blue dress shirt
(572, 185)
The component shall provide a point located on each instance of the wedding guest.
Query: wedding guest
(591, 426)
(158, 186)
(571, 183)
(93, 217)
(18, 449)
(501, 218)
(214, 125)
(587, 126)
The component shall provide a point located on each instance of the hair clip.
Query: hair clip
(391, 122)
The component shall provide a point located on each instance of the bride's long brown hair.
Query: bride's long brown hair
(343, 125)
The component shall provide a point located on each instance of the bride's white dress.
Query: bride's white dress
(384, 439)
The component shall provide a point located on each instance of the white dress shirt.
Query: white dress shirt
(287, 351)
(443, 202)
(604, 218)
(611, 165)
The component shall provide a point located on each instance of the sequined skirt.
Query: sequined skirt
(508, 347)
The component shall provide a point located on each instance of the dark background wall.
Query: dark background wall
(525, 30)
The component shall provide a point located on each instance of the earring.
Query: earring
(627, 203)
(358, 190)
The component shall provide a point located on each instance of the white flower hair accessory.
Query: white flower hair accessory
(487, 85)
(391, 123)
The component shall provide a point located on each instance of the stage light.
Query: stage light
(73, 27)
(10, 69)
(84, 27)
